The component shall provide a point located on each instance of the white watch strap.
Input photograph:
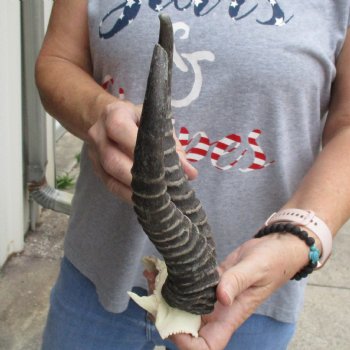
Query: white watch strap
(311, 222)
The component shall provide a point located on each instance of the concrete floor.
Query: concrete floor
(325, 321)
(25, 284)
(26, 280)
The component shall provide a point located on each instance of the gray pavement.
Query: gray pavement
(325, 321)
(26, 280)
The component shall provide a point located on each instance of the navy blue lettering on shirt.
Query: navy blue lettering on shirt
(129, 10)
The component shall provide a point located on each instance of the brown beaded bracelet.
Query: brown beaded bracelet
(314, 254)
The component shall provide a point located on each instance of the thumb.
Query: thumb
(236, 280)
(188, 168)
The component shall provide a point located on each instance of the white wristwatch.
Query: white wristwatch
(309, 220)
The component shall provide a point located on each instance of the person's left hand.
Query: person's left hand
(249, 275)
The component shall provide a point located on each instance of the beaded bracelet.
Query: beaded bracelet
(314, 254)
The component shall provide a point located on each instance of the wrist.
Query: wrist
(318, 242)
(296, 251)
(99, 105)
(287, 229)
(311, 224)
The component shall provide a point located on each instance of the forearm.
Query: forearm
(326, 187)
(257, 268)
(70, 94)
(64, 70)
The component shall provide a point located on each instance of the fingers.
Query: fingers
(113, 185)
(138, 111)
(258, 263)
(121, 125)
(111, 142)
(107, 156)
(187, 342)
(188, 168)
(236, 280)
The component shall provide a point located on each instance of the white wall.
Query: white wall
(14, 202)
(50, 122)
(11, 164)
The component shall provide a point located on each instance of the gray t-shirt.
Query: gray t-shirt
(251, 84)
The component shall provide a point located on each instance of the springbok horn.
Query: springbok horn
(166, 205)
(180, 192)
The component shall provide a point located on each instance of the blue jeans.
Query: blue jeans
(77, 321)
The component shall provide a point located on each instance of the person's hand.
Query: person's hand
(249, 275)
(111, 143)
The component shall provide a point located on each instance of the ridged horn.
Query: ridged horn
(165, 204)
(180, 192)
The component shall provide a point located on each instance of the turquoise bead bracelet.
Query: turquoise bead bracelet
(314, 254)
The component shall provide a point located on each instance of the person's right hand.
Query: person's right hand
(111, 143)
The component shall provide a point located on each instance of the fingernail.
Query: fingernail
(227, 297)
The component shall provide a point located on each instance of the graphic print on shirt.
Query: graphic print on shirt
(193, 59)
(228, 152)
(198, 146)
(227, 145)
(126, 12)
(107, 84)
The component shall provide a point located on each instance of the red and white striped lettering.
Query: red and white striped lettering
(259, 161)
(223, 147)
(184, 136)
(200, 150)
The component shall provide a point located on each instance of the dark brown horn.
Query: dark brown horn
(164, 201)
